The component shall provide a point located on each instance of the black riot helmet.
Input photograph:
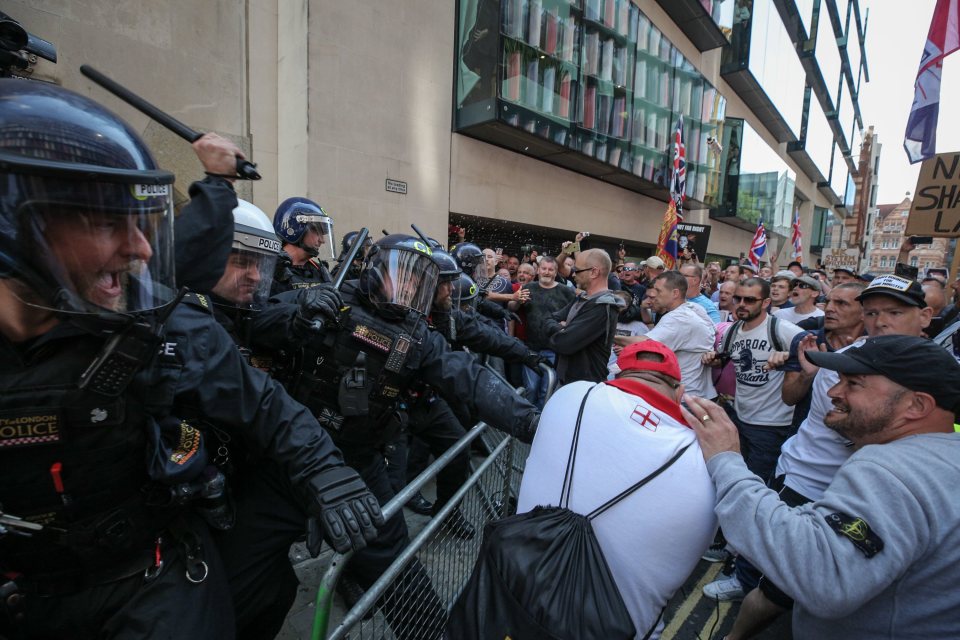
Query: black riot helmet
(86, 216)
(348, 241)
(399, 276)
(466, 291)
(470, 258)
(449, 269)
(446, 296)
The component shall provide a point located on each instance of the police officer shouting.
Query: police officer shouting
(356, 374)
(308, 242)
(107, 386)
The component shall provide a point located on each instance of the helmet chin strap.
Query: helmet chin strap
(313, 252)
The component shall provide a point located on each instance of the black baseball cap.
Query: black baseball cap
(912, 362)
(902, 289)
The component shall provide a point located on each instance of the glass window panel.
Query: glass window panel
(838, 173)
(846, 114)
(775, 64)
(721, 11)
(805, 8)
(819, 141)
(828, 55)
(765, 188)
(842, 8)
(855, 57)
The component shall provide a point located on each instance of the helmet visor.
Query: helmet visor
(319, 235)
(402, 279)
(247, 279)
(87, 246)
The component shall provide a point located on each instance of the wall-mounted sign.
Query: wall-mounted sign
(396, 186)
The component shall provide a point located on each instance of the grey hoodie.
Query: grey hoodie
(907, 492)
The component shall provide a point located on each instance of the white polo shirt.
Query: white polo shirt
(652, 539)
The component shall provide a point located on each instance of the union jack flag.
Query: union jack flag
(758, 246)
(797, 237)
(678, 178)
(920, 139)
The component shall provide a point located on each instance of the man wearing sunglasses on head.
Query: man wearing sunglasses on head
(804, 292)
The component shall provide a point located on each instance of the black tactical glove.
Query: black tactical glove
(525, 433)
(317, 305)
(534, 360)
(348, 513)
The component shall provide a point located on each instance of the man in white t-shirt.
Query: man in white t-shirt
(684, 327)
(804, 292)
(810, 459)
(631, 426)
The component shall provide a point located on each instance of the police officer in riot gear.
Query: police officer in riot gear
(434, 424)
(306, 232)
(356, 375)
(471, 260)
(203, 229)
(110, 387)
(354, 267)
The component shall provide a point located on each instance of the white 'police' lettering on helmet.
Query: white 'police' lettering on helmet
(270, 245)
(150, 190)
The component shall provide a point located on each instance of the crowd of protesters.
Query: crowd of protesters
(753, 347)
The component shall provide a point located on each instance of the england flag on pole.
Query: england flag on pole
(758, 246)
(920, 139)
(797, 237)
(678, 178)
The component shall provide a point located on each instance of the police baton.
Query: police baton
(351, 255)
(422, 235)
(246, 170)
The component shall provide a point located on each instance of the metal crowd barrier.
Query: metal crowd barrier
(422, 584)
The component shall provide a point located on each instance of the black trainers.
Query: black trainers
(420, 505)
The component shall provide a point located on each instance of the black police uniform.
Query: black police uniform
(434, 423)
(74, 460)
(355, 379)
(288, 277)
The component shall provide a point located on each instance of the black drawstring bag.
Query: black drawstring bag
(542, 575)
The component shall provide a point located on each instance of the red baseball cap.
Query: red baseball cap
(667, 365)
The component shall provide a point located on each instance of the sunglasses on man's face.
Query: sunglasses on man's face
(629, 268)
(581, 270)
(747, 299)
(803, 285)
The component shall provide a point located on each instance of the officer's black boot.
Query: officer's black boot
(458, 525)
(420, 505)
(351, 592)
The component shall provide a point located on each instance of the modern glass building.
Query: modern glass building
(524, 121)
(768, 101)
